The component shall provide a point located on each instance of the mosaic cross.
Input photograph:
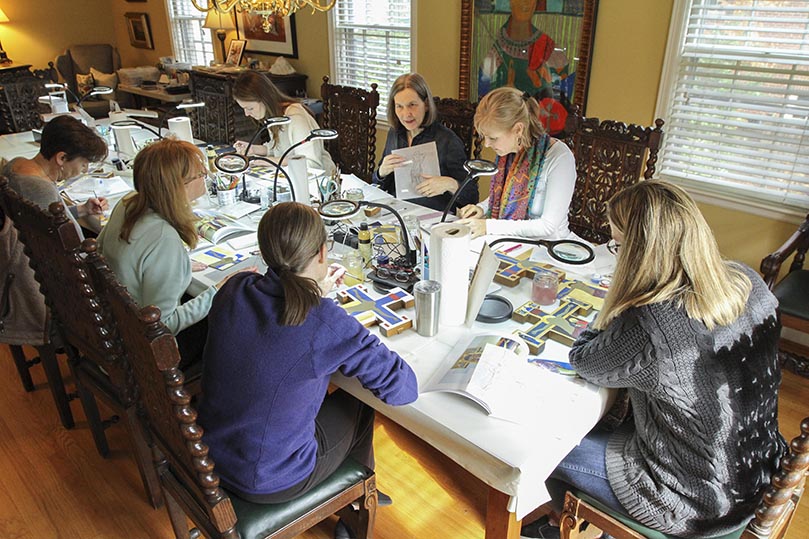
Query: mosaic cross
(565, 323)
(512, 269)
(369, 311)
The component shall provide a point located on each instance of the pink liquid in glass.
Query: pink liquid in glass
(544, 289)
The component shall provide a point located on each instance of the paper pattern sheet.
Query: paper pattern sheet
(423, 160)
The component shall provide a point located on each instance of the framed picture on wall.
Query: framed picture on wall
(274, 35)
(140, 35)
(235, 51)
(542, 47)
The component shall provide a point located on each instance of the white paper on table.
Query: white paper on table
(91, 186)
(239, 209)
(423, 160)
(485, 270)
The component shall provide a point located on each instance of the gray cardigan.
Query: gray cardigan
(704, 440)
(155, 267)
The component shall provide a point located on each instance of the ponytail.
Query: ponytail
(300, 295)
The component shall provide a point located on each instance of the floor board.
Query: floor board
(55, 485)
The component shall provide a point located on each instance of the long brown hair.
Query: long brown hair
(255, 86)
(415, 82)
(289, 236)
(160, 173)
(505, 107)
(668, 253)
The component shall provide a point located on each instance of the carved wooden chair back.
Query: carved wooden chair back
(352, 112)
(792, 291)
(52, 243)
(772, 517)
(609, 155)
(186, 471)
(459, 116)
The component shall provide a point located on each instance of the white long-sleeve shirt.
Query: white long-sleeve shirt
(300, 125)
(547, 216)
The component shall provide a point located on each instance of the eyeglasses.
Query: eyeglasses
(400, 276)
(201, 175)
(613, 247)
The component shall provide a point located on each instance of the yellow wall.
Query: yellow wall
(38, 32)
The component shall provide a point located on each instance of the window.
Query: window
(371, 43)
(735, 94)
(191, 42)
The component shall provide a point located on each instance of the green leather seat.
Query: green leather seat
(793, 294)
(640, 528)
(256, 520)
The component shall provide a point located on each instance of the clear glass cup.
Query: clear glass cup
(545, 288)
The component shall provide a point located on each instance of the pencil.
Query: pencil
(512, 248)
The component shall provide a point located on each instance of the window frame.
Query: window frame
(381, 118)
(704, 191)
(171, 27)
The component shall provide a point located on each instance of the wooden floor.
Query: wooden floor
(55, 485)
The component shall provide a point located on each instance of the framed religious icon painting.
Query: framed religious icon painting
(270, 34)
(235, 52)
(542, 47)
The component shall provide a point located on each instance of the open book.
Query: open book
(216, 228)
(493, 370)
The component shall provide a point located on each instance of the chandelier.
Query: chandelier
(265, 8)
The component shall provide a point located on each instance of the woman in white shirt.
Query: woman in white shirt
(261, 99)
(536, 174)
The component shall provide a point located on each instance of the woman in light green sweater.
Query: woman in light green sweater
(145, 239)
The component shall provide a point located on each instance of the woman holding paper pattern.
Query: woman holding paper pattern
(261, 99)
(693, 339)
(273, 344)
(146, 237)
(413, 118)
(536, 174)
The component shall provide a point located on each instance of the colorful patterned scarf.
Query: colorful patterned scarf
(517, 182)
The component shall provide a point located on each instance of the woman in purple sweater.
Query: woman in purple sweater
(273, 343)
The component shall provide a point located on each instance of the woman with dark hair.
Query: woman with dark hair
(693, 339)
(67, 148)
(413, 119)
(272, 429)
(146, 237)
(530, 194)
(261, 99)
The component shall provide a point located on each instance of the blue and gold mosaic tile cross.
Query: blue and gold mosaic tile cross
(369, 311)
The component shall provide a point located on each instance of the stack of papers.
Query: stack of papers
(96, 186)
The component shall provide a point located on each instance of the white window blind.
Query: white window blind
(736, 99)
(371, 43)
(192, 43)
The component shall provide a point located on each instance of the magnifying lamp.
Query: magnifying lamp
(315, 134)
(266, 124)
(236, 163)
(567, 251)
(135, 123)
(96, 90)
(345, 209)
(179, 108)
(475, 168)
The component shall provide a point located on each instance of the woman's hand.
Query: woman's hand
(221, 283)
(436, 185)
(470, 211)
(390, 162)
(93, 206)
(477, 226)
(334, 277)
(256, 149)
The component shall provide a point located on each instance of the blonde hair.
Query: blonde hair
(505, 107)
(668, 253)
(415, 82)
(290, 234)
(160, 173)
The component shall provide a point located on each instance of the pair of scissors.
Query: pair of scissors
(327, 187)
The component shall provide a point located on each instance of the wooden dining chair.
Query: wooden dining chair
(352, 113)
(187, 473)
(610, 155)
(792, 291)
(772, 517)
(459, 116)
(52, 243)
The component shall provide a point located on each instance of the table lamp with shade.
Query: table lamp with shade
(4, 59)
(221, 22)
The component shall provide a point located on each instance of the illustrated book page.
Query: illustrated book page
(419, 159)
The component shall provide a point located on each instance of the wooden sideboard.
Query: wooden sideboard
(19, 91)
(222, 121)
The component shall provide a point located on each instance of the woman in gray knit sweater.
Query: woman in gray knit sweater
(693, 340)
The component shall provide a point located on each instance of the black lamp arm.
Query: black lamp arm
(461, 187)
(278, 168)
(136, 123)
(410, 254)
